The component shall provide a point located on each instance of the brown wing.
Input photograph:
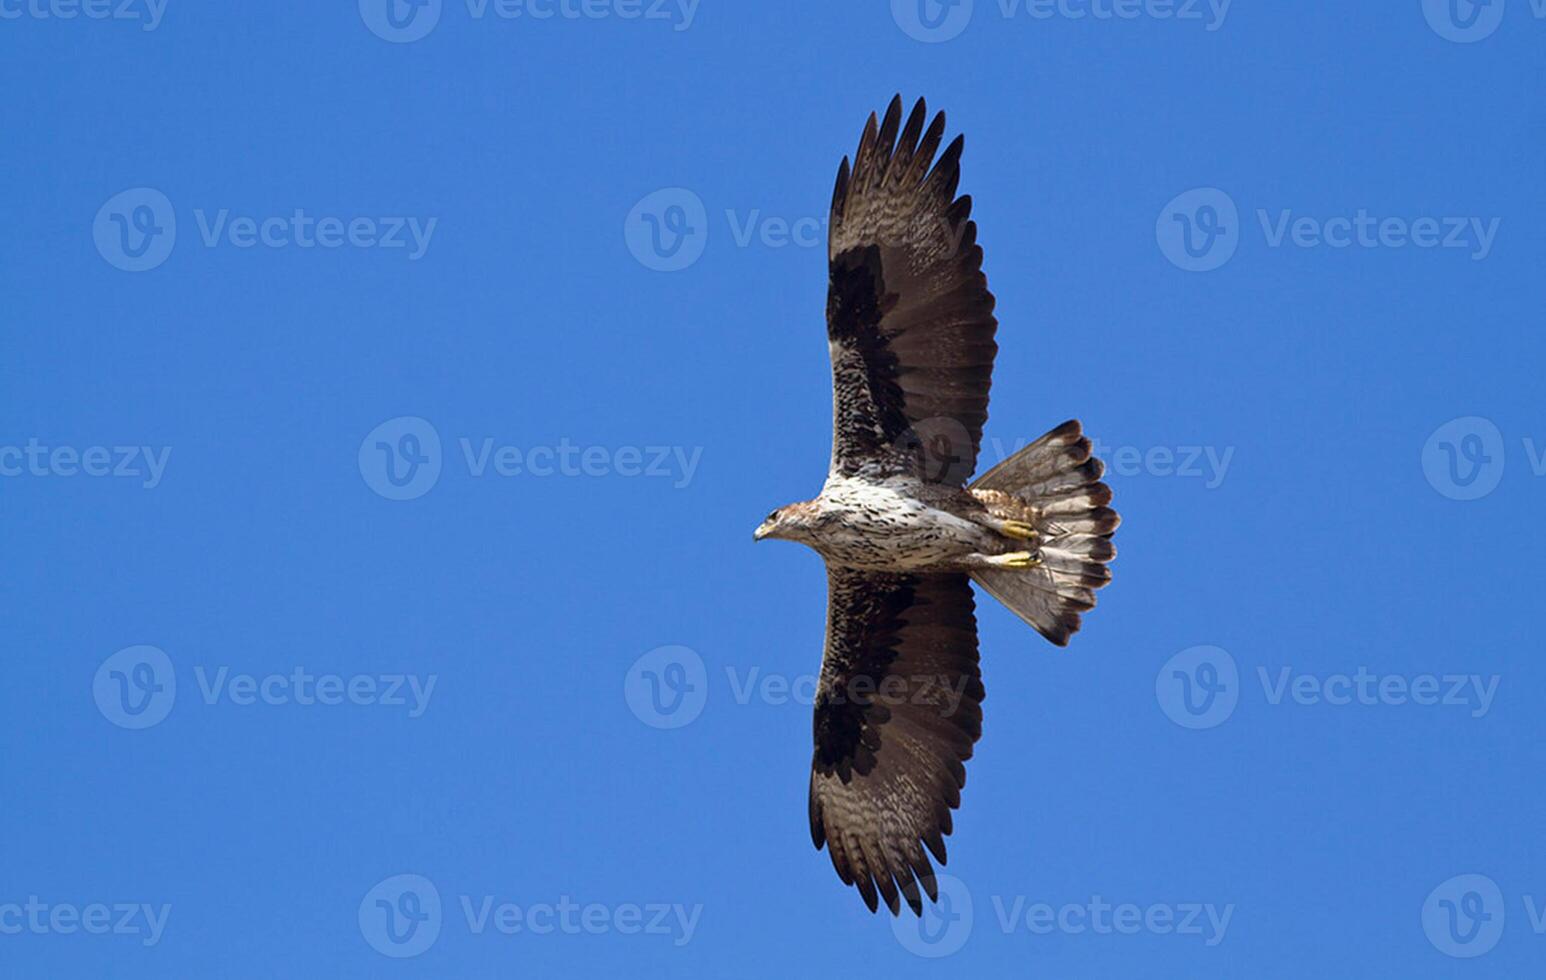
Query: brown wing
(897, 712)
(909, 316)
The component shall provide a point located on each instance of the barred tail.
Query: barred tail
(1054, 483)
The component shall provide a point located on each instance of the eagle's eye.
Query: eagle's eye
(772, 517)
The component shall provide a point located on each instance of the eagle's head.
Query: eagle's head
(792, 522)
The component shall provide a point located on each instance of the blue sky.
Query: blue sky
(387, 398)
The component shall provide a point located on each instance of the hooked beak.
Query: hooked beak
(763, 530)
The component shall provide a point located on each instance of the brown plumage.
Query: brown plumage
(910, 327)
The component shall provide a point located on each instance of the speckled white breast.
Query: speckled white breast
(883, 526)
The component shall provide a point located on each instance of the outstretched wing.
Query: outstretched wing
(898, 709)
(909, 316)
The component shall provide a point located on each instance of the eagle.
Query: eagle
(910, 328)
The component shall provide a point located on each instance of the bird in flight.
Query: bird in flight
(910, 328)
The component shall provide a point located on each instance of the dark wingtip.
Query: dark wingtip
(936, 846)
(840, 189)
(886, 140)
(888, 892)
(927, 880)
(866, 887)
(952, 154)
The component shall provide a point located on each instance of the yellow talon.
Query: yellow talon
(1019, 529)
(1019, 559)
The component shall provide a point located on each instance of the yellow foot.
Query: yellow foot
(1018, 559)
(1019, 529)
